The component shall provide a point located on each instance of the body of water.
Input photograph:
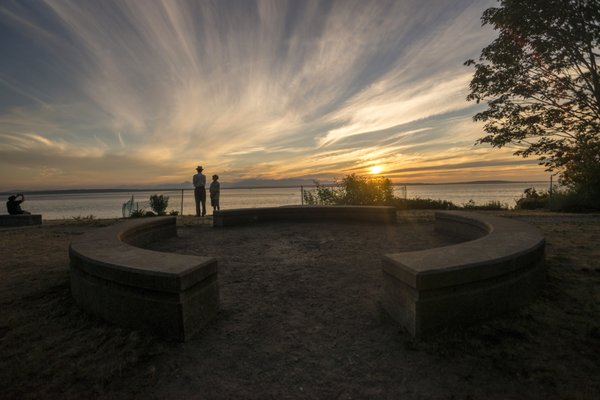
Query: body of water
(109, 205)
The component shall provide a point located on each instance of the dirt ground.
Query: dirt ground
(300, 318)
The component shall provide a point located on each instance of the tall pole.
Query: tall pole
(181, 213)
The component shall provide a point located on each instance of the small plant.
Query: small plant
(159, 204)
(138, 213)
(173, 212)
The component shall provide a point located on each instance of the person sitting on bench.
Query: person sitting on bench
(13, 206)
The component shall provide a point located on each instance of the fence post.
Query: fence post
(302, 194)
(181, 213)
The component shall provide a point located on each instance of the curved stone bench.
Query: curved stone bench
(375, 214)
(170, 294)
(499, 268)
(20, 220)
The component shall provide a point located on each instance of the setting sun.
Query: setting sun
(268, 116)
(376, 169)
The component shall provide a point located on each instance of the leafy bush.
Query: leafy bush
(572, 201)
(367, 191)
(159, 204)
(531, 200)
(322, 195)
(173, 212)
(353, 190)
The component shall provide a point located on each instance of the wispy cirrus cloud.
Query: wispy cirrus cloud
(249, 89)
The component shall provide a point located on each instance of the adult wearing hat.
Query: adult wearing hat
(199, 181)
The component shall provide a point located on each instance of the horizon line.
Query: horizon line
(150, 188)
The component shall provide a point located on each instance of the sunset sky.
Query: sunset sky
(102, 94)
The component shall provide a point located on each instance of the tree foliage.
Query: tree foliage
(541, 82)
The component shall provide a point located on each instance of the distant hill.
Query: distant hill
(242, 184)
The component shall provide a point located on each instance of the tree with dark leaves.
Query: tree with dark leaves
(541, 81)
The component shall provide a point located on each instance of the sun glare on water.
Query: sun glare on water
(376, 169)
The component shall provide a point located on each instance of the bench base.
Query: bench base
(178, 316)
(20, 220)
(172, 295)
(499, 268)
(428, 312)
(368, 214)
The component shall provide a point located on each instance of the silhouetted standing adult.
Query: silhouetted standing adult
(13, 205)
(199, 181)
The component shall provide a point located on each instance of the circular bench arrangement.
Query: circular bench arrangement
(499, 267)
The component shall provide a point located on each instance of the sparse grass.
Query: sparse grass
(489, 206)
(80, 220)
(86, 218)
(423, 204)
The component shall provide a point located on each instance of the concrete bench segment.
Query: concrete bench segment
(374, 214)
(170, 294)
(20, 220)
(499, 268)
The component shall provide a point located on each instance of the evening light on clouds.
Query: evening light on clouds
(103, 93)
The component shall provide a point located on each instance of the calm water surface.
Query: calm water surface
(109, 205)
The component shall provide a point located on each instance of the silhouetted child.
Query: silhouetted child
(215, 192)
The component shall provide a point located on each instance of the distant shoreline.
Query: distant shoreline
(167, 189)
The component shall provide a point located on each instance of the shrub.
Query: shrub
(572, 201)
(353, 190)
(173, 212)
(531, 200)
(159, 204)
(568, 200)
(138, 213)
(322, 195)
(367, 191)
(310, 197)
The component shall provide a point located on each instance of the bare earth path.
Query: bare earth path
(300, 319)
